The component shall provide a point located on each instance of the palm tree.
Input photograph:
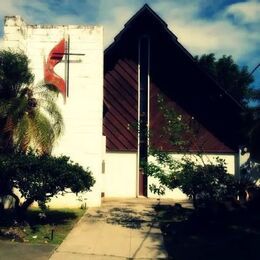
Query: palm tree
(29, 116)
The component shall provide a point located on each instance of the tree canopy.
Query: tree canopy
(234, 79)
(40, 177)
(14, 73)
(237, 82)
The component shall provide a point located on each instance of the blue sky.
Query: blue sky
(230, 27)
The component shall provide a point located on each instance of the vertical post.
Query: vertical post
(138, 127)
(143, 118)
(67, 64)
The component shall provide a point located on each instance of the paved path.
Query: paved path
(118, 230)
(23, 251)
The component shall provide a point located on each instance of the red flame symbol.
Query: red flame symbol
(50, 77)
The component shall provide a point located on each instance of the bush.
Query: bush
(199, 180)
(38, 178)
(202, 183)
(206, 183)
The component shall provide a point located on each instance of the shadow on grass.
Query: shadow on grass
(210, 233)
(53, 217)
(33, 217)
(36, 227)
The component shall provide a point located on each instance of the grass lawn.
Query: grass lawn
(210, 235)
(51, 229)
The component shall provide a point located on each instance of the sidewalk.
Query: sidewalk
(118, 230)
(13, 251)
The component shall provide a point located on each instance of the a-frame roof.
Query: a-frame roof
(147, 10)
(176, 73)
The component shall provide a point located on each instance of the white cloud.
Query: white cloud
(8, 8)
(218, 34)
(178, 10)
(246, 12)
(114, 16)
(220, 37)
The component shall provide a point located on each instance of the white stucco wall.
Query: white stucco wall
(82, 112)
(120, 174)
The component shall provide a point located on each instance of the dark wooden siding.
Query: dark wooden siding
(120, 121)
(120, 98)
(202, 140)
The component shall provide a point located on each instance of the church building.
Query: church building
(105, 94)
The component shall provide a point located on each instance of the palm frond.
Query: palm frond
(47, 103)
(15, 106)
(42, 133)
(5, 106)
(22, 134)
(55, 116)
(31, 118)
(41, 89)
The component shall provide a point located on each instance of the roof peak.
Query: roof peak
(143, 9)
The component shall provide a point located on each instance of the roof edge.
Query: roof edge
(145, 7)
(175, 39)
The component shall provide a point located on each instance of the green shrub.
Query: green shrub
(206, 182)
(38, 178)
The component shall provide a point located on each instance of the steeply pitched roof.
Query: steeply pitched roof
(176, 73)
(146, 10)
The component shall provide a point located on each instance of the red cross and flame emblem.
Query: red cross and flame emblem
(50, 77)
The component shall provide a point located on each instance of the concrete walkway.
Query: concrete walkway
(118, 230)
(23, 251)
